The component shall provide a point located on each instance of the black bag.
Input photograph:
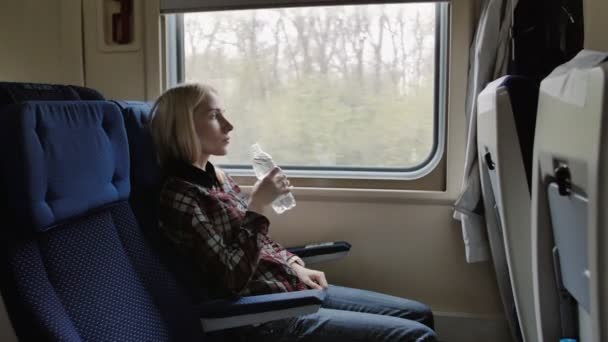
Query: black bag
(546, 33)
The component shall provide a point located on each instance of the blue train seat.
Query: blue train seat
(75, 266)
(74, 263)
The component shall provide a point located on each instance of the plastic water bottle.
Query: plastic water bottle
(262, 164)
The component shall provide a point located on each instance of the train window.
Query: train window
(349, 91)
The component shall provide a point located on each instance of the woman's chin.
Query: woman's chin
(221, 152)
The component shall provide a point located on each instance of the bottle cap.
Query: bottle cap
(255, 148)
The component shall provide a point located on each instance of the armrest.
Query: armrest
(228, 313)
(322, 251)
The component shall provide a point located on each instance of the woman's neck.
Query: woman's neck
(201, 163)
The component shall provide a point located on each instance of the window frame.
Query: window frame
(433, 163)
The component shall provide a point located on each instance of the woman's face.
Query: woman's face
(212, 127)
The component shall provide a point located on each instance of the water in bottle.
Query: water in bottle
(262, 164)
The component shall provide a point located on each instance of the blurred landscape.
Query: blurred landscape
(321, 86)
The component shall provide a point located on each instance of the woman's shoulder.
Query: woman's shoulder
(177, 187)
(227, 182)
(179, 196)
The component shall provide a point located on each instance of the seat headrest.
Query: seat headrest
(87, 94)
(13, 92)
(62, 159)
(145, 170)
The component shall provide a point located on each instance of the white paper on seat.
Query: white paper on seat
(568, 82)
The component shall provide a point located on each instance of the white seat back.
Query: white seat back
(569, 197)
(504, 106)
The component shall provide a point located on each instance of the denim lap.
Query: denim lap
(344, 298)
(355, 315)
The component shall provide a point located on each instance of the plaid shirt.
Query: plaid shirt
(208, 223)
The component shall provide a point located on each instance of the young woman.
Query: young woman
(204, 215)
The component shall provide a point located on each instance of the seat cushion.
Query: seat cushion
(95, 279)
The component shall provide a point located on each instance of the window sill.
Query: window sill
(370, 195)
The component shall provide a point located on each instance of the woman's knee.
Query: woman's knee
(425, 315)
(406, 331)
(419, 333)
(356, 326)
(350, 299)
(416, 311)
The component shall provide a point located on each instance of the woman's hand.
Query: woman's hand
(267, 189)
(314, 279)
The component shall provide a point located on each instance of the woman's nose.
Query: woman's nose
(227, 126)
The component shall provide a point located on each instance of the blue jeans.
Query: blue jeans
(354, 315)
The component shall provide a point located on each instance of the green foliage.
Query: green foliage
(315, 122)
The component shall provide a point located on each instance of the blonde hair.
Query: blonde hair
(172, 123)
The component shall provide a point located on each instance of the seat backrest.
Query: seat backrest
(506, 117)
(513, 101)
(146, 184)
(145, 171)
(74, 263)
(569, 201)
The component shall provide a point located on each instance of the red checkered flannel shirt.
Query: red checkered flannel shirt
(209, 224)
